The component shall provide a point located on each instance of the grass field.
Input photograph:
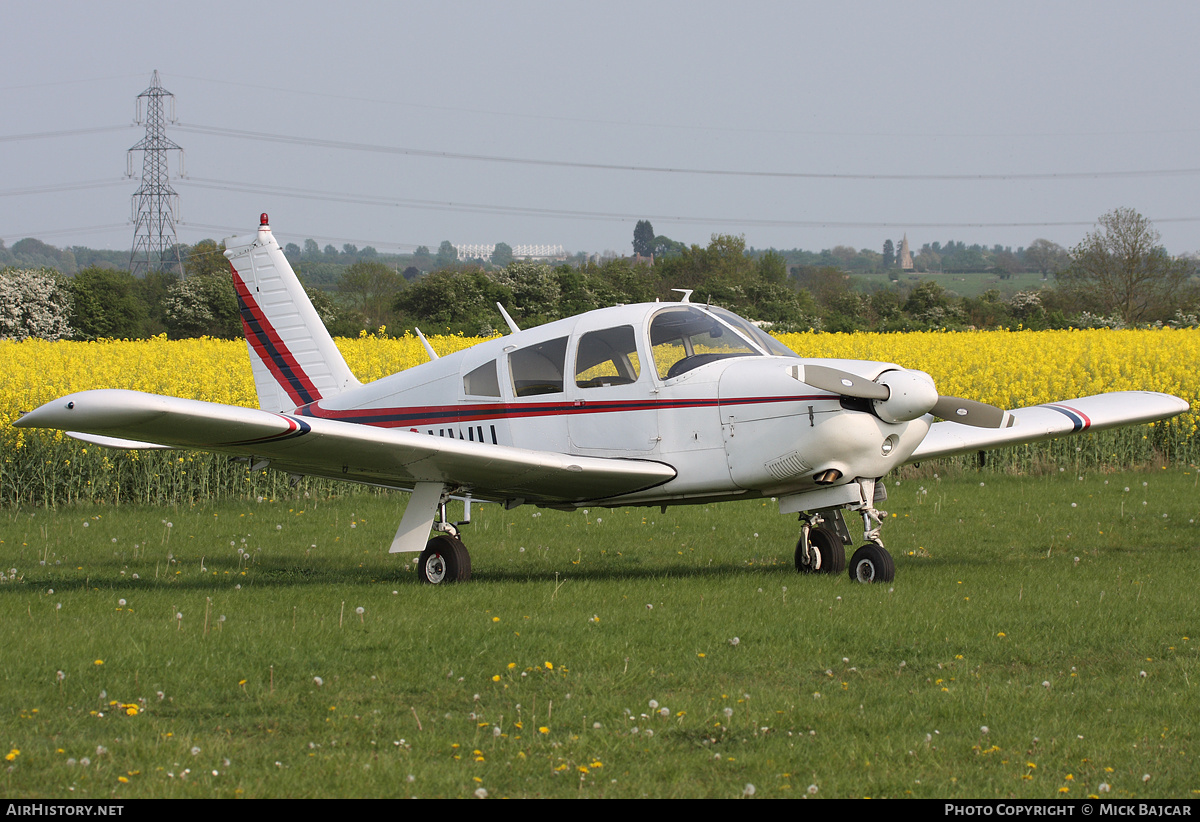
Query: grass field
(1040, 640)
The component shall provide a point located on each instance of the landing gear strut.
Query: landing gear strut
(445, 558)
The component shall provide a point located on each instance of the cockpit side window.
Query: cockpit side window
(538, 369)
(683, 338)
(607, 357)
(482, 381)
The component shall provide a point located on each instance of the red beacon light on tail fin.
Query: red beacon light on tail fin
(262, 219)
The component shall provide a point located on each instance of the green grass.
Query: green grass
(1012, 609)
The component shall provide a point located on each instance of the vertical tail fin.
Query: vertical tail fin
(292, 356)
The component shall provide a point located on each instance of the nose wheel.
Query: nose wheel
(872, 563)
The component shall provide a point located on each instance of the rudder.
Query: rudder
(292, 356)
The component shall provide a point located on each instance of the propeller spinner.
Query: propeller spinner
(900, 396)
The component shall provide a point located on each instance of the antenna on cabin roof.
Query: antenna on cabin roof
(686, 292)
(155, 203)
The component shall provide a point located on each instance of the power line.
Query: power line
(341, 97)
(560, 213)
(783, 175)
(57, 187)
(71, 132)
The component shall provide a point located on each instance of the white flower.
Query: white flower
(318, 681)
(812, 789)
(983, 729)
(481, 793)
(653, 704)
(1104, 788)
(734, 642)
(749, 790)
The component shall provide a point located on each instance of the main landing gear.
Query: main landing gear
(822, 547)
(445, 558)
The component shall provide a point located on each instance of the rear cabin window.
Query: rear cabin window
(607, 357)
(684, 338)
(538, 369)
(482, 382)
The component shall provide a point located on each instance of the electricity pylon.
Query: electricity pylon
(155, 203)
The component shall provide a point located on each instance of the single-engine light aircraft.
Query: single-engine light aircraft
(653, 404)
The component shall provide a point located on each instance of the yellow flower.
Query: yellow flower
(99, 661)
(549, 666)
(543, 730)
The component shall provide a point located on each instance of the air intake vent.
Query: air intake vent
(788, 466)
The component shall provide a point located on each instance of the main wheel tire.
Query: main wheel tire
(445, 559)
(826, 550)
(872, 563)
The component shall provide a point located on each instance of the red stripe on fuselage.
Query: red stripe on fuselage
(446, 414)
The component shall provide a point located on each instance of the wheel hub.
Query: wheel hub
(435, 568)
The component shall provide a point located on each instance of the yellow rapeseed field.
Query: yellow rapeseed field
(1007, 368)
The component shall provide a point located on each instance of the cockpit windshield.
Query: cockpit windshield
(756, 334)
(684, 337)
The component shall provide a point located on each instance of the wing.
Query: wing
(1043, 422)
(341, 450)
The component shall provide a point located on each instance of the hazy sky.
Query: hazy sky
(796, 124)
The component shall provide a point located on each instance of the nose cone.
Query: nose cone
(911, 395)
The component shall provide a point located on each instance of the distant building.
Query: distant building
(906, 261)
(484, 251)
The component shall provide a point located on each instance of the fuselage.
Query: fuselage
(691, 386)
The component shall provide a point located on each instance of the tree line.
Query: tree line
(1119, 275)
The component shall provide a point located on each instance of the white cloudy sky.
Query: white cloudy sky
(796, 124)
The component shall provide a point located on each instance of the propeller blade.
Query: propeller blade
(971, 412)
(844, 383)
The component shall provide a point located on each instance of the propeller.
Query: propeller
(900, 396)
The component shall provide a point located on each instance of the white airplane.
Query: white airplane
(653, 404)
